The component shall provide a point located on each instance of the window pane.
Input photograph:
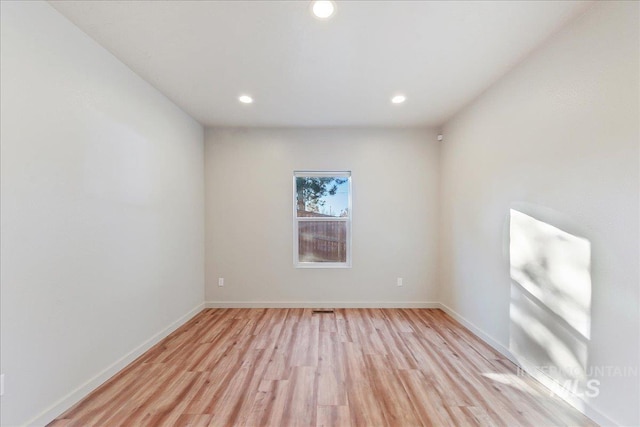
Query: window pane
(322, 241)
(322, 196)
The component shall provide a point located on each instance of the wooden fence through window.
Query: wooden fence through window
(322, 241)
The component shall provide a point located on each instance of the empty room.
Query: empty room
(319, 213)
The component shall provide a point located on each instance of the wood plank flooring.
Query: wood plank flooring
(291, 367)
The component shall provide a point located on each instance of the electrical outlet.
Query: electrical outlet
(220, 281)
(1, 384)
(399, 281)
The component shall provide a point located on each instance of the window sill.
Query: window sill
(322, 265)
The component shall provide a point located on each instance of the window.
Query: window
(322, 219)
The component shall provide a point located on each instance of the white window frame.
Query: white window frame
(321, 174)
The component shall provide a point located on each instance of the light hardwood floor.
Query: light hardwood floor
(290, 367)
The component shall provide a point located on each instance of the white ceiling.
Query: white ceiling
(305, 72)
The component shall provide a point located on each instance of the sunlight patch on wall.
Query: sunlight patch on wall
(554, 267)
(550, 309)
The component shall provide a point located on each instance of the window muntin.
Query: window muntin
(322, 219)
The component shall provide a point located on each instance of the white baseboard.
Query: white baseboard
(479, 332)
(320, 304)
(553, 386)
(82, 391)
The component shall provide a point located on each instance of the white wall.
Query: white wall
(249, 225)
(557, 138)
(102, 212)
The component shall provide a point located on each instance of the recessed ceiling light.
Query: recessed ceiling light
(323, 9)
(398, 99)
(245, 99)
